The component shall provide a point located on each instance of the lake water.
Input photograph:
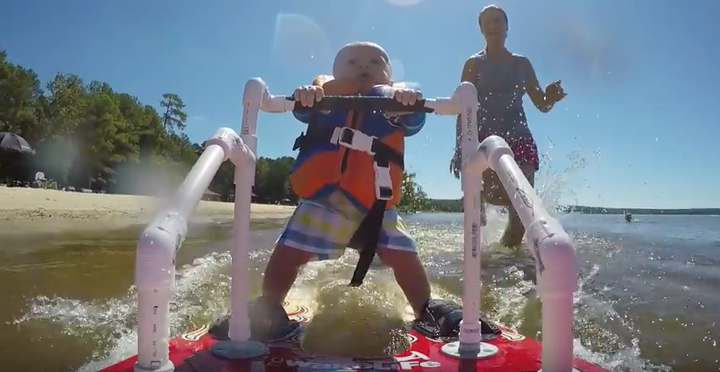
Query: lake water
(648, 298)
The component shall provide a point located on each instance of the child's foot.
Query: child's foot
(269, 320)
(441, 319)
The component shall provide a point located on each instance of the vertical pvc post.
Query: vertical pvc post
(472, 187)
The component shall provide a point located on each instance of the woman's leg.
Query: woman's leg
(515, 230)
(493, 191)
(483, 212)
(526, 156)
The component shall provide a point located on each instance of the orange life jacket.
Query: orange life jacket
(323, 167)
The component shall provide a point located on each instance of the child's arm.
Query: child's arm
(410, 122)
(304, 116)
(413, 123)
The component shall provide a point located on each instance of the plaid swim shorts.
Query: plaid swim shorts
(326, 226)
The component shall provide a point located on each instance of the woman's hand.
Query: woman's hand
(455, 163)
(544, 101)
(554, 92)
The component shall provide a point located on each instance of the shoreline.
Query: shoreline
(27, 210)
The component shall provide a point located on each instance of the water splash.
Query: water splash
(603, 336)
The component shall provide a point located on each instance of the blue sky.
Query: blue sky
(637, 128)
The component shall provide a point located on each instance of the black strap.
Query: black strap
(368, 233)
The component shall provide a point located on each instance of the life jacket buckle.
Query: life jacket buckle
(354, 140)
(383, 182)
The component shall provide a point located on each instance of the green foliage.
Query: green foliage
(272, 180)
(413, 198)
(637, 211)
(174, 117)
(445, 205)
(84, 132)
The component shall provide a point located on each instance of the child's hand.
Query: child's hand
(307, 95)
(406, 97)
(554, 92)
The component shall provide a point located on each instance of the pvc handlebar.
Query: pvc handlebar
(362, 103)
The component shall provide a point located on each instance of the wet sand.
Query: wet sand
(26, 210)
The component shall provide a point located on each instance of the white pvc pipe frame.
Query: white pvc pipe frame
(550, 244)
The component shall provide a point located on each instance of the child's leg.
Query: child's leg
(314, 232)
(282, 270)
(396, 249)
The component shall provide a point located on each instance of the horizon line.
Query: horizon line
(603, 207)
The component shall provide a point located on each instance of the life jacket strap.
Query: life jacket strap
(356, 140)
(368, 233)
(349, 138)
(353, 139)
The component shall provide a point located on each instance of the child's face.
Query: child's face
(366, 64)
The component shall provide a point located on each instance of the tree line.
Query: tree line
(86, 135)
(583, 209)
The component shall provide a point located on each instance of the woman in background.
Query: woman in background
(502, 78)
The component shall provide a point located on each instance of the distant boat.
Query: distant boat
(628, 217)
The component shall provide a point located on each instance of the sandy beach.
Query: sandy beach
(25, 209)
